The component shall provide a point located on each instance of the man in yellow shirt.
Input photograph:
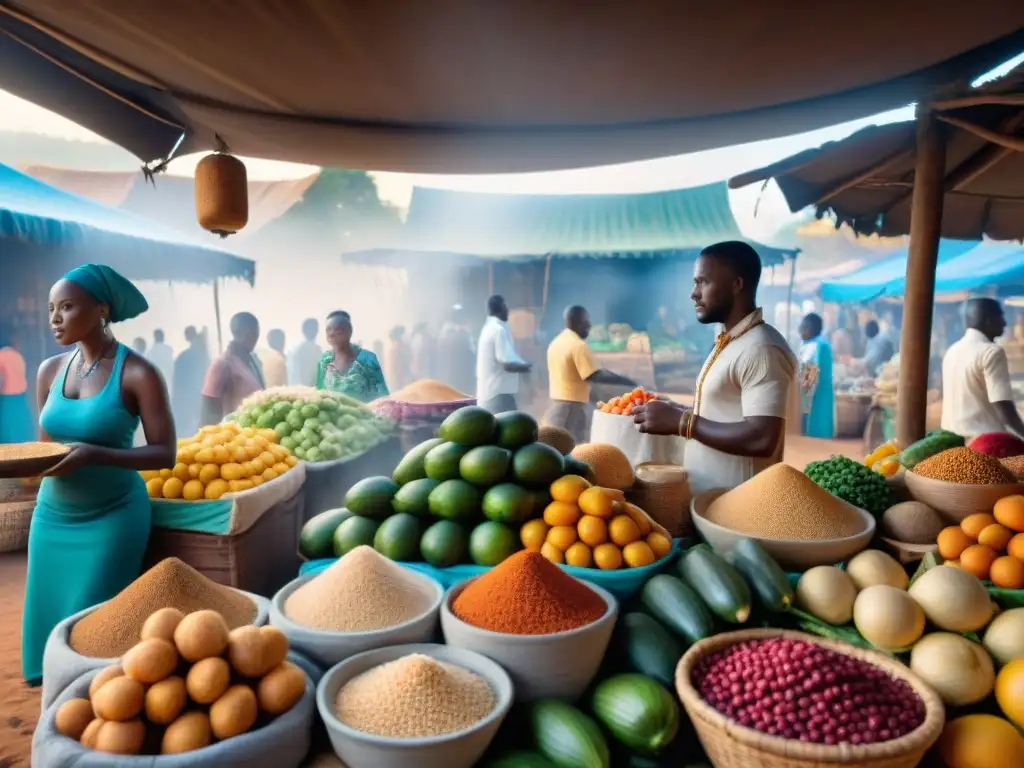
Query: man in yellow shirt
(571, 372)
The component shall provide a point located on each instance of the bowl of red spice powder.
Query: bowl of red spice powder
(549, 631)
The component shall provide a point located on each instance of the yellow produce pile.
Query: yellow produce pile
(218, 460)
(592, 527)
(187, 683)
(427, 391)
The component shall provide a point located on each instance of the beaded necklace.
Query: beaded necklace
(720, 344)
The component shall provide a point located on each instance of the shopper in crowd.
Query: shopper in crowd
(423, 349)
(398, 358)
(348, 368)
(303, 360)
(498, 366)
(977, 394)
(817, 398)
(572, 371)
(275, 366)
(234, 375)
(879, 349)
(456, 353)
(139, 346)
(187, 387)
(737, 424)
(162, 356)
(16, 422)
(91, 523)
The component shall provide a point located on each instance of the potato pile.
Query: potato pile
(187, 683)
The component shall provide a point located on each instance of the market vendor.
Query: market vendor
(817, 393)
(737, 424)
(571, 372)
(977, 394)
(236, 374)
(498, 366)
(91, 523)
(348, 368)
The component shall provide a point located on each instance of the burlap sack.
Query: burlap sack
(663, 491)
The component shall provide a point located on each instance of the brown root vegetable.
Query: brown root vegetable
(150, 661)
(162, 624)
(282, 687)
(234, 713)
(201, 635)
(208, 679)
(166, 700)
(73, 717)
(120, 699)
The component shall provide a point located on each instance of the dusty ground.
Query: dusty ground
(19, 706)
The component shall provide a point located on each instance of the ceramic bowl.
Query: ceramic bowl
(461, 749)
(329, 648)
(955, 501)
(791, 554)
(557, 666)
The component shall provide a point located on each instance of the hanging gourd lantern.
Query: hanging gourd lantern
(222, 194)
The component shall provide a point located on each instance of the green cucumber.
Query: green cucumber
(521, 759)
(769, 581)
(567, 737)
(678, 607)
(651, 650)
(637, 711)
(718, 583)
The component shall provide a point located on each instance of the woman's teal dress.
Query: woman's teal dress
(90, 527)
(364, 380)
(816, 389)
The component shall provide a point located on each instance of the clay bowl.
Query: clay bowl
(955, 501)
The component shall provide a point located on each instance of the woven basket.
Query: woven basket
(730, 745)
(30, 459)
(15, 520)
(663, 492)
(851, 415)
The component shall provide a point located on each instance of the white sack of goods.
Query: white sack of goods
(639, 448)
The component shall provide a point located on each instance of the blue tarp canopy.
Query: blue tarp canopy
(887, 277)
(35, 213)
(995, 266)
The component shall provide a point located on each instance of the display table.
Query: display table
(639, 366)
(327, 482)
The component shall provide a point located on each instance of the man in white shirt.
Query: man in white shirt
(162, 356)
(737, 425)
(497, 365)
(304, 359)
(976, 393)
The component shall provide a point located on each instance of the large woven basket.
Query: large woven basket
(663, 492)
(731, 745)
(19, 460)
(15, 519)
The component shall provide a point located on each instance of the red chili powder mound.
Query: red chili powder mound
(528, 595)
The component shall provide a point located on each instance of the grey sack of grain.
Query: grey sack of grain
(282, 743)
(62, 664)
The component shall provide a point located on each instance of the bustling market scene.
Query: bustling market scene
(535, 385)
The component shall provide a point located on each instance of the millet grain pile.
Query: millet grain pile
(965, 466)
(114, 627)
(414, 696)
(427, 391)
(362, 592)
(1015, 464)
(783, 503)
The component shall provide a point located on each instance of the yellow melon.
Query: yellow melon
(610, 466)
(557, 438)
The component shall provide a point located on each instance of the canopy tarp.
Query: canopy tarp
(991, 267)
(482, 226)
(465, 86)
(34, 212)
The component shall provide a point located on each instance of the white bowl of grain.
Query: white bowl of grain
(361, 602)
(392, 709)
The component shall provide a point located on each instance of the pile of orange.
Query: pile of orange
(592, 527)
(990, 546)
(218, 460)
(624, 404)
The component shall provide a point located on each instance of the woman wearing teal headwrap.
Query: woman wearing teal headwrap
(92, 518)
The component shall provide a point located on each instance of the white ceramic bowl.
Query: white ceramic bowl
(461, 749)
(329, 648)
(792, 554)
(558, 666)
(955, 501)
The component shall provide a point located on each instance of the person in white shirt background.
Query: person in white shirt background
(498, 367)
(305, 358)
(162, 356)
(977, 396)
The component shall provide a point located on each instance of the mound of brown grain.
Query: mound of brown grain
(427, 391)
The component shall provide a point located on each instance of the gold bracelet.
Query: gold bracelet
(689, 425)
(682, 427)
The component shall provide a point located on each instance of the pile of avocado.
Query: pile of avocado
(458, 498)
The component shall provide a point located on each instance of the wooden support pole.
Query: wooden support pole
(919, 299)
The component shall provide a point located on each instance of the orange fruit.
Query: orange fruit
(280, 468)
(194, 470)
(149, 474)
(608, 557)
(155, 488)
(660, 544)
(552, 553)
(599, 502)
(561, 513)
(952, 541)
(215, 489)
(267, 474)
(1006, 572)
(974, 524)
(192, 491)
(1016, 547)
(209, 473)
(977, 559)
(221, 455)
(1010, 691)
(980, 741)
(569, 488)
(622, 530)
(165, 473)
(593, 531)
(1009, 511)
(952, 563)
(180, 471)
(290, 460)
(562, 536)
(637, 554)
(237, 486)
(231, 471)
(173, 488)
(579, 555)
(643, 522)
(995, 536)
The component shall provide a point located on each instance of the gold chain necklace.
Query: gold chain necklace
(720, 344)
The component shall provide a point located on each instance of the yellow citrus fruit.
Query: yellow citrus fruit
(225, 436)
(149, 474)
(1010, 691)
(569, 488)
(562, 536)
(280, 468)
(622, 530)
(638, 554)
(593, 531)
(561, 513)
(638, 516)
(290, 460)
(608, 557)
(257, 466)
(995, 536)
(172, 488)
(237, 486)
(194, 470)
(660, 544)
(231, 471)
(267, 458)
(221, 455)
(257, 481)
(279, 452)
(205, 456)
(215, 489)
(240, 454)
(261, 441)
(579, 554)
(599, 502)
(269, 474)
(183, 456)
(165, 473)
(533, 534)
(209, 473)
(269, 435)
(552, 553)
(192, 491)
(974, 524)
(155, 488)
(180, 471)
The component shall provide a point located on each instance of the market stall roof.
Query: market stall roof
(34, 212)
(465, 86)
(866, 180)
(481, 226)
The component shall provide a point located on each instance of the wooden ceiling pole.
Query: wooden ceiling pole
(922, 261)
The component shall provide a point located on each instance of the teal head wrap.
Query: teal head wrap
(110, 287)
